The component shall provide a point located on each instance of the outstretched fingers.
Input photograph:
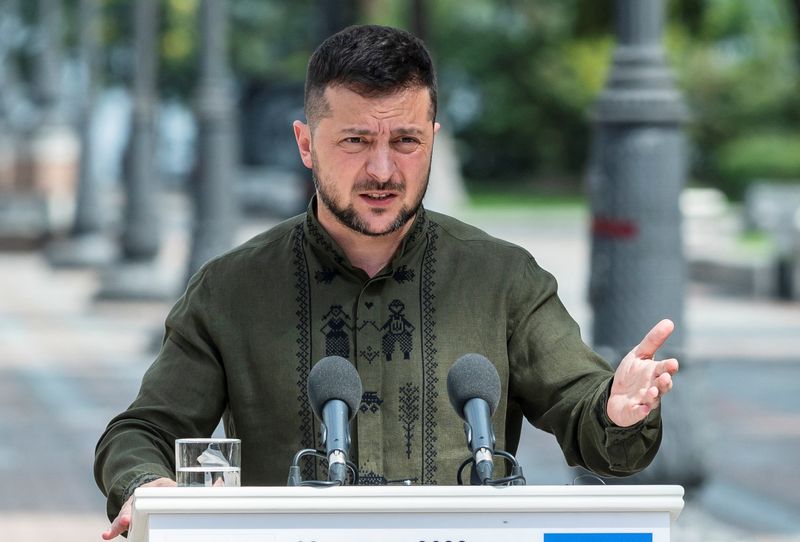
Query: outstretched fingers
(654, 339)
(669, 366)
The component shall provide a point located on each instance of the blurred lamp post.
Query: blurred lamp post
(636, 173)
(419, 19)
(140, 238)
(7, 148)
(51, 153)
(87, 244)
(13, 32)
(215, 176)
(137, 275)
(47, 69)
(446, 193)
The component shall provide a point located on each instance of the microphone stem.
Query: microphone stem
(337, 467)
(484, 464)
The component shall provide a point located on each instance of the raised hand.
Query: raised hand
(122, 522)
(640, 382)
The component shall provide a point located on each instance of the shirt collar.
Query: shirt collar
(326, 247)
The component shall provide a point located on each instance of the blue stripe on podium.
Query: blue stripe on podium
(598, 537)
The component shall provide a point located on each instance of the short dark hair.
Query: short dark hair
(370, 60)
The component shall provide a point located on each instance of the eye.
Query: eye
(406, 144)
(353, 143)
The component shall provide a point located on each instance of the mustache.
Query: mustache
(373, 185)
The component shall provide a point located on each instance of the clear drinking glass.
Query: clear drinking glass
(208, 462)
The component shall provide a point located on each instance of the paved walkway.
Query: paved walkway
(68, 364)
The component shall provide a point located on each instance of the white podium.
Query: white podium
(407, 514)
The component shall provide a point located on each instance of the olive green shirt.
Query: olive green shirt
(240, 342)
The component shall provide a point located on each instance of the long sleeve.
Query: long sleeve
(182, 395)
(561, 385)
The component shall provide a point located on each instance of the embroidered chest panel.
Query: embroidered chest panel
(387, 327)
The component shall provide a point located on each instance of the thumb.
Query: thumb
(654, 339)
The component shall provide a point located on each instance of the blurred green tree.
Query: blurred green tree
(269, 40)
(518, 77)
(739, 71)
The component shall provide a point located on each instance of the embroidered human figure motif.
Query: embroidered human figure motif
(398, 331)
(337, 341)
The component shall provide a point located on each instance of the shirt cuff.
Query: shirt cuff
(624, 444)
(138, 481)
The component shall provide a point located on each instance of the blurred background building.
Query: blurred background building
(138, 138)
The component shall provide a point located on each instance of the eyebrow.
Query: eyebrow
(403, 130)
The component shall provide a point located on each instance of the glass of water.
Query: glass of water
(208, 462)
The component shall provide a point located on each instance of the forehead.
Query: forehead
(411, 105)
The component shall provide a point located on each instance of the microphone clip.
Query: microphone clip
(296, 479)
(516, 478)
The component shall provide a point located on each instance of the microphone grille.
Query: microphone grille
(473, 376)
(334, 377)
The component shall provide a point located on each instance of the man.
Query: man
(369, 274)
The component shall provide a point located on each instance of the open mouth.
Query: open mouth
(378, 197)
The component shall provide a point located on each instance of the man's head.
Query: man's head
(371, 61)
(370, 105)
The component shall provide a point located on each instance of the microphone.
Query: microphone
(334, 391)
(473, 387)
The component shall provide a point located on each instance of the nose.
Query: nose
(380, 163)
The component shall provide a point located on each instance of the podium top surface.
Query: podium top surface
(413, 499)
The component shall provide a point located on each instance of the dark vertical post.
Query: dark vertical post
(16, 100)
(419, 19)
(7, 147)
(49, 165)
(21, 213)
(140, 238)
(446, 192)
(137, 276)
(87, 244)
(87, 215)
(47, 69)
(215, 177)
(637, 171)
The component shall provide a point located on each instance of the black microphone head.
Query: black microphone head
(334, 377)
(473, 376)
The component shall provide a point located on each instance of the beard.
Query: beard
(349, 217)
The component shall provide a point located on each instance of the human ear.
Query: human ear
(302, 134)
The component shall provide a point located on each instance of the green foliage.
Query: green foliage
(272, 40)
(518, 77)
(267, 40)
(178, 46)
(739, 74)
(772, 156)
(526, 81)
